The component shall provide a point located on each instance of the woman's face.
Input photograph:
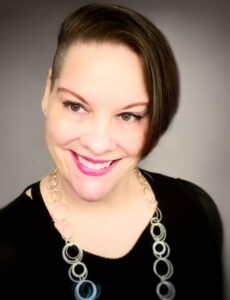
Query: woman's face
(96, 118)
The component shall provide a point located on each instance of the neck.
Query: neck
(119, 198)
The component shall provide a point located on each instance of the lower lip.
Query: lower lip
(91, 172)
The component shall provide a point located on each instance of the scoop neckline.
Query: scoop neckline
(56, 236)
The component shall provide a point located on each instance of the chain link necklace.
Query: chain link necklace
(85, 289)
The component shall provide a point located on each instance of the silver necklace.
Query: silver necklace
(85, 289)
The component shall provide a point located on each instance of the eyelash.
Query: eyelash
(135, 116)
(70, 105)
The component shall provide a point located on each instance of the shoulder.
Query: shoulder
(14, 215)
(191, 197)
(13, 208)
(178, 186)
(13, 218)
(209, 207)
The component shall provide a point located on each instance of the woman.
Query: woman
(97, 227)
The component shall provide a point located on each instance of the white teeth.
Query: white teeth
(91, 165)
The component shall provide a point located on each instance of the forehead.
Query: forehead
(103, 69)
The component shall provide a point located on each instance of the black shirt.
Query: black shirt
(32, 267)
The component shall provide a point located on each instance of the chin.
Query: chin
(91, 191)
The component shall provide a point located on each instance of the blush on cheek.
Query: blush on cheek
(61, 132)
(132, 143)
(131, 137)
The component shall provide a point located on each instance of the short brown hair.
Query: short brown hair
(118, 24)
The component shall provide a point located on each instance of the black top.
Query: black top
(32, 267)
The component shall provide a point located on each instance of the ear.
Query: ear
(44, 103)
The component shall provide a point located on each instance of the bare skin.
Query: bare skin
(109, 232)
(97, 109)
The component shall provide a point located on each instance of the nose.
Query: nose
(98, 139)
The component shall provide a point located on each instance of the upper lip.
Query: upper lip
(96, 161)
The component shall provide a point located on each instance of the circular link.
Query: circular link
(54, 196)
(76, 277)
(51, 182)
(70, 259)
(171, 290)
(162, 232)
(164, 253)
(72, 254)
(147, 193)
(77, 291)
(141, 178)
(157, 217)
(169, 271)
(53, 172)
(60, 217)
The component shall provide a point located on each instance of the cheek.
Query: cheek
(60, 131)
(132, 141)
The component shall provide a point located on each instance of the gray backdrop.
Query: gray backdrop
(195, 148)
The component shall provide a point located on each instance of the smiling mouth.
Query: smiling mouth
(93, 167)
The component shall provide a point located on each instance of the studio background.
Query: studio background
(196, 147)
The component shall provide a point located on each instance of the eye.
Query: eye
(74, 106)
(129, 117)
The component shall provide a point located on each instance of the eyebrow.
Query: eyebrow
(76, 95)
